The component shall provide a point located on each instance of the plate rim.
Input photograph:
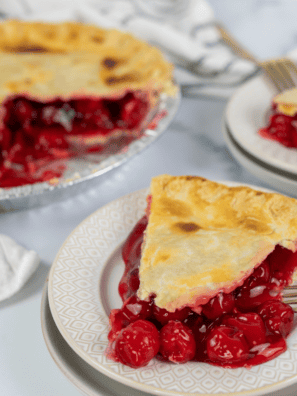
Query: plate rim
(118, 377)
(269, 168)
(54, 351)
(259, 154)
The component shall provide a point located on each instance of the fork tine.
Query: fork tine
(272, 71)
(292, 287)
(270, 75)
(292, 70)
(282, 72)
(290, 296)
(286, 72)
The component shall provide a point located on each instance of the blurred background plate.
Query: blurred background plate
(247, 112)
(275, 177)
(83, 173)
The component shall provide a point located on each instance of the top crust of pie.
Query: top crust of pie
(47, 60)
(204, 237)
(287, 102)
(288, 97)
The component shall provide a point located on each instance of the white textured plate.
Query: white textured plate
(84, 377)
(80, 172)
(247, 112)
(82, 290)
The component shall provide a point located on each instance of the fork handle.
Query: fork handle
(237, 48)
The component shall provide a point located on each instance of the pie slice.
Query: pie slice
(282, 125)
(68, 89)
(204, 238)
(204, 274)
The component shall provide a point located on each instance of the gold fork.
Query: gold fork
(290, 296)
(281, 72)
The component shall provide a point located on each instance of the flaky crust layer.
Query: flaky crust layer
(287, 102)
(204, 237)
(46, 60)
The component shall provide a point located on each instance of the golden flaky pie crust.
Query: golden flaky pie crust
(46, 60)
(204, 237)
(287, 102)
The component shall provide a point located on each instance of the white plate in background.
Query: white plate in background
(278, 179)
(247, 112)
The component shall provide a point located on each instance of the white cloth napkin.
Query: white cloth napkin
(17, 265)
(183, 29)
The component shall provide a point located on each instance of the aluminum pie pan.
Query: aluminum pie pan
(81, 172)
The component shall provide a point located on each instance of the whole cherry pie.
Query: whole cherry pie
(204, 274)
(68, 89)
(282, 125)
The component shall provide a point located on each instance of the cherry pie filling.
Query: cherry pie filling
(281, 127)
(36, 138)
(244, 328)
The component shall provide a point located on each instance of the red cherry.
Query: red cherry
(191, 319)
(134, 280)
(219, 305)
(227, 344)
(201, 330)
(102, 119)
(131, 252)
(23, 111)
(278, 317)
(16, 154)
(282, 133)
(261, 274)
(136, 309)
(251, 324)
(282, 264)
(251, 296)
(163, 316)
(49, 139)
(5, 139)
(137, 344)
(129, 283)
(177, 342)
(280, 119)
(86, 107)
(132, 245)
(117, 322)
(133, 110)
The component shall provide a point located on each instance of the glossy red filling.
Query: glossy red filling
(36, 138)
(241, 329)
(282, 128)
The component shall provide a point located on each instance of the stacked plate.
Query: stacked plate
(247, 112)
(83, 288)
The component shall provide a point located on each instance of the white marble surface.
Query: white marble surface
(192, 145)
